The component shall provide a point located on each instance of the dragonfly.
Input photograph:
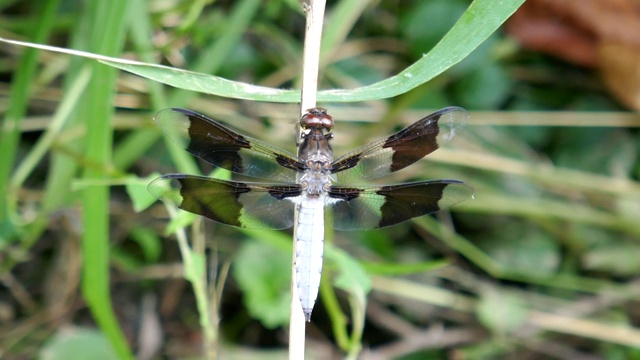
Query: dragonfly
(313, 183)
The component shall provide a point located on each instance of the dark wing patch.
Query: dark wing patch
(401, 149)
(222, 147)
(357, 208)
(242, 204)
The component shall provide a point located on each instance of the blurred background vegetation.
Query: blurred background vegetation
(543, 263)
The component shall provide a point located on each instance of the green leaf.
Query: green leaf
(480, 20)
(477, 23)
(351, 277)
(104, 32)
(204, 83)
(264, 275)
(137, 190)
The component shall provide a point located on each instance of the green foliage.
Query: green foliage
(137, 191)
(351, 278)
(553, 226)
(264, 275)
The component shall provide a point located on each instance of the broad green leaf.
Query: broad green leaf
(264, 275)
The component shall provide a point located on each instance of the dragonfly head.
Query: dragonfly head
(317, 118)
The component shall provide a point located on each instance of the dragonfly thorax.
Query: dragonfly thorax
(316, 152)
(317, 178)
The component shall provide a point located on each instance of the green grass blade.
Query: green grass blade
(20, 89)
(478, 22)
(107, 21)
(45, 142)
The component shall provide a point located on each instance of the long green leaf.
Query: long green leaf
(106, 22)
(480, 20)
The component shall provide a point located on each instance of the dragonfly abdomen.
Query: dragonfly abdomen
(309, 250)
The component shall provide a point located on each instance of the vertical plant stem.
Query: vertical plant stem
(194, 260)
(311, 55)
(310, 66)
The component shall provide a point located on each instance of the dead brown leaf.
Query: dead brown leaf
(602, 34)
